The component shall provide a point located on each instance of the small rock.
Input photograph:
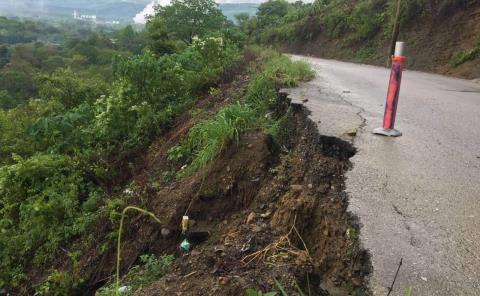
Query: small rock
(310, 186)
(251, 218)
(296, 187)
(250, 146)
(325, 232)
(256, 229)
(219, 249)
(165, 232)
(352, 132)
(223, 280)
(228, 168)
(423, 278)
(124, 289)
(256, 180)
(195, 253)
(266, 214)
(128, 191)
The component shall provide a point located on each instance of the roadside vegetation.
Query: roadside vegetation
(362, 30)
(77, 107)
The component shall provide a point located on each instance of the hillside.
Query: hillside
(109, 138)
(441, 36)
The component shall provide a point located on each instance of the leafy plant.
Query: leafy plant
(208, 138)
(42, 205)
(58, 284)
(466, 55)
(252, 292)
(148, 271)
(155, 267)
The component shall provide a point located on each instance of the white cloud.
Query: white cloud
(140, 18)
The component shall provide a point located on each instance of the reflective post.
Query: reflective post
(398, 64)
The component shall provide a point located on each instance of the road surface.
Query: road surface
(417, 196)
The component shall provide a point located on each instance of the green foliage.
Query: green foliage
(150, 270)
(42, 203)
(70, 89)
(58, 283)
(158, 40)
(366, 20)
(466, 55)
(408, 292)
(185, 19)
(14, 126)
(66, 133)
(270, 12)
(207, 139)
(252, 292)
(67, 121)
(287, 73)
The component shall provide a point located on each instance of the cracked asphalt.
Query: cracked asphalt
(417, 197)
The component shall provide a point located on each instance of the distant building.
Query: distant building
(85, 17)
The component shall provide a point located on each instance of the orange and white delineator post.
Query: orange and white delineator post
(398, 64)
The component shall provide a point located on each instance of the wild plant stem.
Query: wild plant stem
(120, 230)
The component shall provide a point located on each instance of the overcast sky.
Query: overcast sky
(140, 18)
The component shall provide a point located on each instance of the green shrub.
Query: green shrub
(366, 20)
(151, 269)
(43, 203)
(466, 55)
(286, 73)
(58, 284)
(208, 138)
(14, 126)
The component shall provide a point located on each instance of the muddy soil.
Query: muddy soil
(432, 43)
(275, 211)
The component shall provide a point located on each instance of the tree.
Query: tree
(185, 19)
(130, 40)
(158, 40)
(69, 89)
(242, 19)
(4, 55)
(271, 12)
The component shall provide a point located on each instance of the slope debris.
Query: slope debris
(275, 215)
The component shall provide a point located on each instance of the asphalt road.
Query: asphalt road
(417, 196)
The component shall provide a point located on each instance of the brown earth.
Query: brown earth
(432, 43)
(272, 214)
(274, 210)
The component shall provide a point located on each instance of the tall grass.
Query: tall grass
(208, 138)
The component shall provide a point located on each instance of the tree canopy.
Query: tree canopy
(185, 19)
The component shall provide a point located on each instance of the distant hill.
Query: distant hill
(123, 10)
(107, 10)
(231, 9)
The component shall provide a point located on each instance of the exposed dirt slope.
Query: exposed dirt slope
(272, 215)
(274, 210)
(432, 44)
